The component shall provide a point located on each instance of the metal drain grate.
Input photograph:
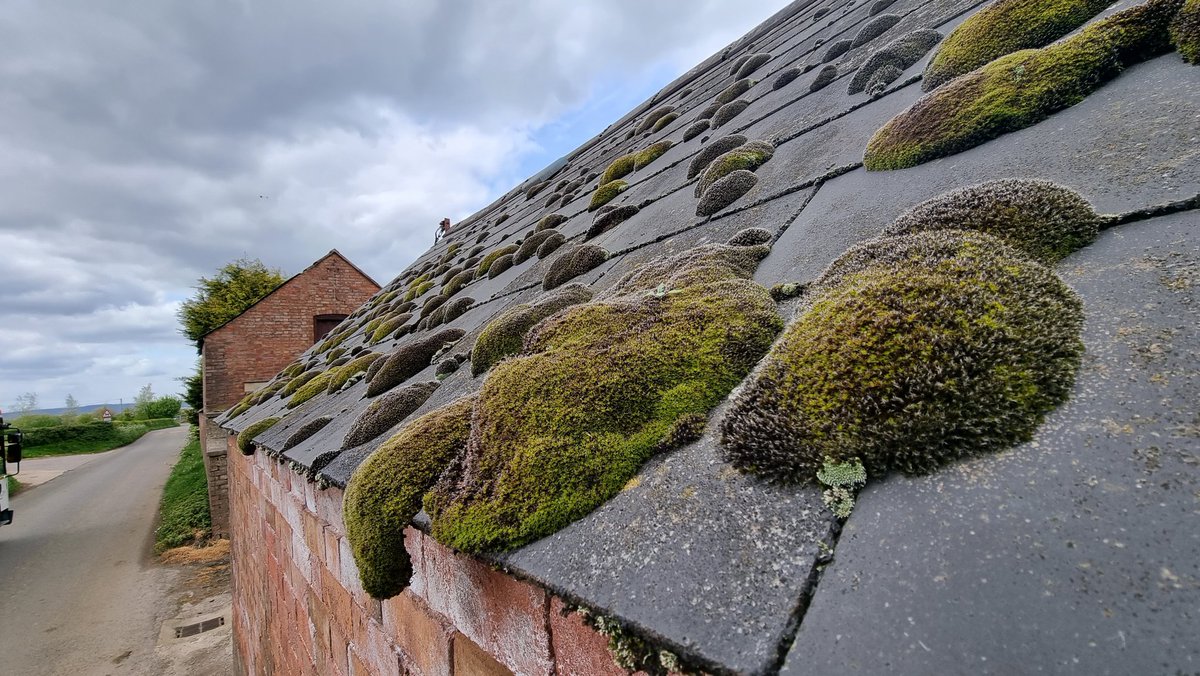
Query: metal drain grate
(199, 627)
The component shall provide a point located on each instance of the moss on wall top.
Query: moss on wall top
(1004, 27)
(245, 440)
(1020, 89)
(561, 428)
(911, 352)
(385, 492)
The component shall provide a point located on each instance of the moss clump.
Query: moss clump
(750, 237)
(550, 221)
(449, 365)
(610, 219)
(664, 121)
(1044, 219)
(914, 351)
(733, 91)
(1185, 31)
(384, 494)
(551, 245)
(245, 440)
(296, 383)
(620, 167)
(750, 156)
(785, 77)
(418, 290)
(725, 191)
(386, 412)
(651, 121)
(697, 128)
(499, 265)
(836, 49)
(388, 326)
(881, 78)
(709, 111)
(313, 387)
(874, 28)
(491, 257)
(453, 309)
(753, 63)
(334, 354)
(1020, 89)
(530, 244)
(737, 65)
(1004, 27)
(239, 408)
(409, 359)
(712, 151)
(900, 54)
(505, 334)
(571, 263)
(562, 427)
(306, 431)
(729, 111)
(458, 281)
(650, 153)
(605, 194)
(294, 369)
(359, 365)
(432, 304)
(787, 290)
(827, 75)
(534, 189)
(552, 200)
(879, 5)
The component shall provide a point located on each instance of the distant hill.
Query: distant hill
(115, 408)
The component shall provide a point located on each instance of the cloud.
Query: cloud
(146, 143)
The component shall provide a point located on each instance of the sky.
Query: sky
(143, 144)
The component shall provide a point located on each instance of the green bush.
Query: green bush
(183, 511)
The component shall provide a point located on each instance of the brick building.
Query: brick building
(246, 351)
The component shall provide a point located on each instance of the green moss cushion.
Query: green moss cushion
(384, 493)
(910, 352)
(599, 386)
(1044, 219)
(1021, 89)
(1004, 27)
(504, 335)
(245, 440)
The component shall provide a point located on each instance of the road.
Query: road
(79, 593)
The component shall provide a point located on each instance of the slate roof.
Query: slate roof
(1074, 552)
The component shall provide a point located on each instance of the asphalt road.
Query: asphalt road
(79, 594)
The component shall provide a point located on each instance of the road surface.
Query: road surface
(79, 593)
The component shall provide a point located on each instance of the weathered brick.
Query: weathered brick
(578, 649)
(471, 659)
(504, 616)
(422, 637)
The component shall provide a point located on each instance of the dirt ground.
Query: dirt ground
(201, 593)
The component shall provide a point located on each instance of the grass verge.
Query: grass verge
(14, 486)
(183, 512)
(122, 434)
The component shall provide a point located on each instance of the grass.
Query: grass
(183, 512)
(123, 435)
(14, 486)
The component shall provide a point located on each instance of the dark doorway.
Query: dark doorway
(323, 324)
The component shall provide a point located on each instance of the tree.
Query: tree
(141, 403)
(26, 403)
(72, 412)
(163, 407)
(193, 392)
(235, 287)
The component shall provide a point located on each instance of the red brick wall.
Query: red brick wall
(299, 608)
(267, 337)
